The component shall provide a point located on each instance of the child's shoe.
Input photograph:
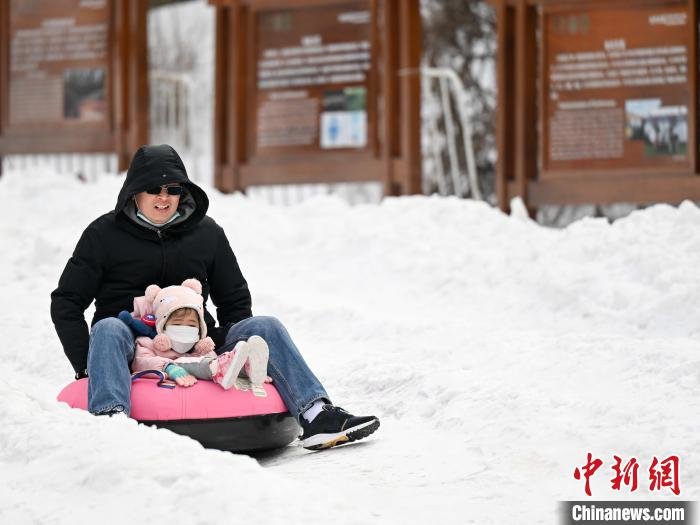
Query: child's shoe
(256, 366)
(230, 365)
(258, 390)
(242, 383)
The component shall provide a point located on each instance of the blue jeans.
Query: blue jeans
(112, 349)
(112, 345)
(296, 383)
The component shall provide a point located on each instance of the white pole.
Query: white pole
(450, 131)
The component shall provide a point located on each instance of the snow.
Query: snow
(497, 354)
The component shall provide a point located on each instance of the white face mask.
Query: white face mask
(183, 337)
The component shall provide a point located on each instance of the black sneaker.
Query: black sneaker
(334, 426)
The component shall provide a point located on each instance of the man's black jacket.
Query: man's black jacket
(118, 256)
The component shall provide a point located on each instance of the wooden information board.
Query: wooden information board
(312, 70)
(602, 106)
(58, 64)
(72, 76)
(617, 88)
(298, 91)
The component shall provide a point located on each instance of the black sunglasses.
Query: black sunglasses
(172, 190)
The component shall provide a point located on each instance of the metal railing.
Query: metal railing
(462, 174)
(170, 103)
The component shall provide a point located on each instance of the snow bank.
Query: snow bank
(497, 353)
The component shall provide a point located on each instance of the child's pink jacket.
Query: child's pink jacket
(148, 358)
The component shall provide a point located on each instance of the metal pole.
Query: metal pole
(463, 105)
(468, 145)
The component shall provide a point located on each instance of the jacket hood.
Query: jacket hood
(155, 166)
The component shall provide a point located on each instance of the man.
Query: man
(159, 233)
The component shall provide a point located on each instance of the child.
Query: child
(181, 347)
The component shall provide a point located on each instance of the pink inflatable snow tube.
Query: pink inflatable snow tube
(234, 420)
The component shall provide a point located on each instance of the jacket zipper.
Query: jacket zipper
(162, 249)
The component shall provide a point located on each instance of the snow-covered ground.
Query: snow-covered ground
(497, 354)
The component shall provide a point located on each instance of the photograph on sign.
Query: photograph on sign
(663, 129)
(312, 78)
(344, 118)
(617, 88)
(84, 94)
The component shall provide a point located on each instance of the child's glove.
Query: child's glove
(137, 325)
(174, 371)
(180, 375)
(204, 346)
